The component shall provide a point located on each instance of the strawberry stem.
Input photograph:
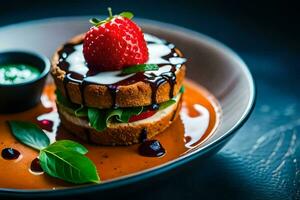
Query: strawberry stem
(110, 12)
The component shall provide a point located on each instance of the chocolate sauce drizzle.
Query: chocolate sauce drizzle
(64, 64)
(10, 154)
(35, 166)
(143, 135)
(154, 80)
(150, 148)
(113, 92)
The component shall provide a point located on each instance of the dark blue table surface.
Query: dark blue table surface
(263, 160)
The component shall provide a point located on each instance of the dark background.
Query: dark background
(262, 160)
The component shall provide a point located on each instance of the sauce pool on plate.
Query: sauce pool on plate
(17, 73)
(199, 117)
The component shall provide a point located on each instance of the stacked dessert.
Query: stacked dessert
(116, 85)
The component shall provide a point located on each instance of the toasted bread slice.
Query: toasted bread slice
(99, 96)
(120, 133)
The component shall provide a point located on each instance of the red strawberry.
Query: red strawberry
(114, 43)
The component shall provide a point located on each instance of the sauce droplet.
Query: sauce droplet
(151, 148)
(155, 106)
(46, 124)
(35, 166)
(10, 154)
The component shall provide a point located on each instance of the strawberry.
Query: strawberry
(114, 43)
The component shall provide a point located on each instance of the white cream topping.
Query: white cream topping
(156, 53)
(152, 38)
(77, 61)
(176, 60)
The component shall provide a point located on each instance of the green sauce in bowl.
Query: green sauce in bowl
(17, 73)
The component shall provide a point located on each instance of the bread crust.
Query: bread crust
(118, 133)
(99, 96)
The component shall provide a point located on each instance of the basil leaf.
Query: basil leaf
(140, 68)
(29, 134)
(81, 111)
(166, 104)
(63, 100)
(78, 111)
(68, 165)
(97, 118)
(70, 145)
(128, 15)
(113, 113)
(129, 112)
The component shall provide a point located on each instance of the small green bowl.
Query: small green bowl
(22, 96)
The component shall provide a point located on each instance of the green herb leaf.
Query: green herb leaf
(166, 104)
(63, 159)
(75, 109)
(81, 111)
(182, 89)
(127, 14)
(68, 165)
(140, 68)
(129, 112)
(70, 145)
(64, 101)
(29, 134)
(113, 113)
(97, 118)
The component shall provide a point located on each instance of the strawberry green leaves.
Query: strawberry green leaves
(127, 14)
(140, 68)
(97, 22)
(64, 159)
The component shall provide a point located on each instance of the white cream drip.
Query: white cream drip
(77, 61)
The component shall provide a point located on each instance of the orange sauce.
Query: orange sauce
(198, 119)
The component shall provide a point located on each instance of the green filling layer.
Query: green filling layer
(99, 118)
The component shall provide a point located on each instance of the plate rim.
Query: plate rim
(144, 174)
